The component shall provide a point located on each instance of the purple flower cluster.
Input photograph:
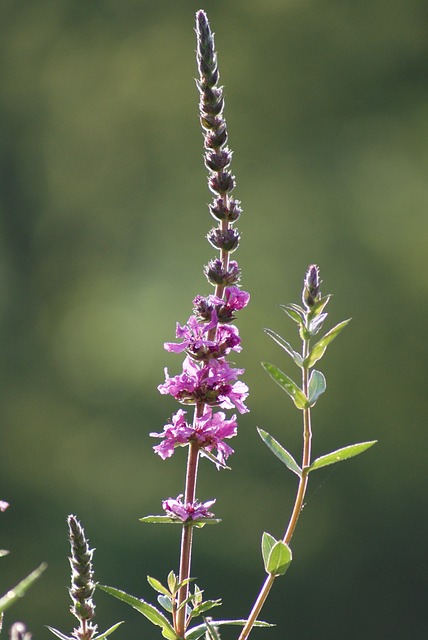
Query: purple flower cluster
(187, 512)
(207, 379)
(208, 432)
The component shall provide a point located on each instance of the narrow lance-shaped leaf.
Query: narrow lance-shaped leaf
(286, 383)
(103, 635)
(205, 606)
(281, 453)
(19, 590)
(170, 520)
(148, 610)
(294, 355)
(59, 634)
(341, 454)
(157, 586)
(319, 348)
(294, 311)
(197, 632)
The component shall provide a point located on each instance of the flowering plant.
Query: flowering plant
(210, 386)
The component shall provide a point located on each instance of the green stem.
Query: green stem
(298, 503)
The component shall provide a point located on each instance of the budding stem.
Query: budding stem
(298, 503)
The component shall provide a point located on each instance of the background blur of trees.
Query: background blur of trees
(103, 216)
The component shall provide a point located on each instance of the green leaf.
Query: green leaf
(170, 520)
(279, 560)
(17, 592)
(294, 311)
(319, 306)
(319, 348)
(158, 586)
(316, 324)
(212, 633)
(341, 454)
(197, 596)
(268, 543)
(166, 603)
(294, 355)
(205, 606)
(317, 386)
(59, 634)
(280, 452)
(286, 383)
(197, 632)
(172, 582)
(161, 520)
(148, 610)
(110, 630)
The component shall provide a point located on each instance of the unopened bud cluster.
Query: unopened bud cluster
(224, 208)
(82, 583)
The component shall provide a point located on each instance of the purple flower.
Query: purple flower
(235, 298)
(209, 384)
(194, 336)
(187, 512)
(208, 432)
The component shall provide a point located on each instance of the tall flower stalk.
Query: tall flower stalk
(207, 382)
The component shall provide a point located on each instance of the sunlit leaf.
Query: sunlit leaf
(212, 633)
(166, 603)
(59, 634)
(316, 324)
(19, 590)
(287, 384)
(319, 348)
(197, 632)
(101, 636)
(3, 552)
(268, 542)
(279, 560)
(148, 610)
(172, 582)
(294, 312)
(280, 452)
(205, 606)
(294, 355)
(157, 586)
(339, 455)
(317, 385)
(319, 306)
(170, 520)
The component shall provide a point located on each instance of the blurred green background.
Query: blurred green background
(103, 217)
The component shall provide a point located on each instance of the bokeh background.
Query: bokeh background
(103, 217)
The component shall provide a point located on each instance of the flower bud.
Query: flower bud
(216, 161)
(221, 182)
(311, 288)
(216, 274)
(225, 240)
